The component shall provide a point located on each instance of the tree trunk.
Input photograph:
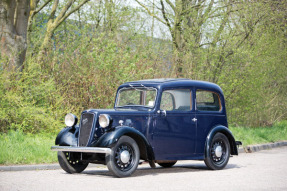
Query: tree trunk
(13, 32)
(46, 44)
(54, 22)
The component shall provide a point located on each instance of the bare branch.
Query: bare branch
(231, 11)
(70, 12)
(164, 15)
(64, 10)
(205, 14)
(248, 33)
(153, 4)
(150, 13)
(208, 9)
(53, 11)
(222, 25)
(42, 6)
(171, 5)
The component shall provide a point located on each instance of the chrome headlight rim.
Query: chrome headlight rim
(71, 120)
(105, 120)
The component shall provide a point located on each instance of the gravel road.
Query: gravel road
(264, 170)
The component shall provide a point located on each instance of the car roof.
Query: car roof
(159, 80)
(172, 82)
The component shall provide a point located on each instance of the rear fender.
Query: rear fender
(227, 133)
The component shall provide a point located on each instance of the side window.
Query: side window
(176, 100)
(207, 101)
(167, 101)
(150, 97)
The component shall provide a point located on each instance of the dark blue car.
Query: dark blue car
(159, 121)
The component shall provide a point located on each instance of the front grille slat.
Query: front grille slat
(86, 126)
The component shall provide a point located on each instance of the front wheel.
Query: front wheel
(217, 155)
(69, 163)
(124, 158)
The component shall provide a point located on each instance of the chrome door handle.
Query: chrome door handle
(194, 119)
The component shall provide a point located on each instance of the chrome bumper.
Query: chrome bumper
(82, 149)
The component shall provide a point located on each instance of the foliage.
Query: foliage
(242, 48)
(30, 102)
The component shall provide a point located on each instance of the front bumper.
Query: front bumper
(82, 149)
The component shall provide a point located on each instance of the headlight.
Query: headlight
(71, 120)
(104, 120)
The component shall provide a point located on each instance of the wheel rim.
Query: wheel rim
(218, 152)
(124, 157)
(71, 160)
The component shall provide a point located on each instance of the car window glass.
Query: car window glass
(176, 100)
(207, 101)
(130, 97)
(136, 97)
(150, 98)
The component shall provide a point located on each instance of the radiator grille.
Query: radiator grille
(86, 127)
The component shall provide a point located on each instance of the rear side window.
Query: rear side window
(176, 100)
(207, 101)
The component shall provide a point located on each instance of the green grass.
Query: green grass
(256, 135)
(19, 148)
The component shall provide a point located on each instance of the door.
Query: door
(209, 113)
(174, 130)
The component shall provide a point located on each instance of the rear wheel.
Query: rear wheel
(124, 158)
(69, 163)
(217, 155)
(167, 165)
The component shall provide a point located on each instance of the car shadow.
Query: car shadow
(146, 170)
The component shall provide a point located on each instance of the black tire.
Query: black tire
(217, 155)
(167, 165)
(71, 166)
(123, 164)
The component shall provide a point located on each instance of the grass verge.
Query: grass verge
(257, 135)
(19, 148)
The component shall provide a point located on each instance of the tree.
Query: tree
(34, 10)
(55, 21)
(14, 16)
(187, 21)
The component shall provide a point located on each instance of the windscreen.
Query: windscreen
(137, 97)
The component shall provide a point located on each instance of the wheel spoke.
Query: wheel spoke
(124, 166)
(222, 151)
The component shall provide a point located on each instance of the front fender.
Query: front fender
(227, 133)
(109, 139)
(68, 136)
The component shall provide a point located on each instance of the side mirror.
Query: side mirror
(161, 112)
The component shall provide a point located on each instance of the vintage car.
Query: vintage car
(158, 121)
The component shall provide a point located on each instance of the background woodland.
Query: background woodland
(60, 56)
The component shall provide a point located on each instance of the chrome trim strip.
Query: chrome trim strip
(82, 149)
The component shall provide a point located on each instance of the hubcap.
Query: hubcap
(125, 156)
(218, 151)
